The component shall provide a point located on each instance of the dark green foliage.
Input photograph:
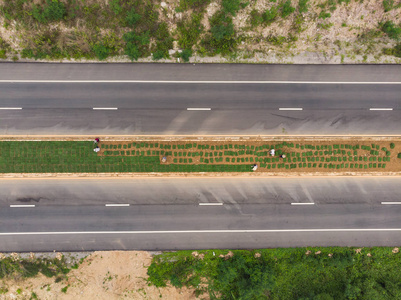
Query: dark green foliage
(393, 31)
(399, 155)
(132, 17)
(392, 145)
(189, 31)
(136, 45)
(286, 9)
(193, 4)
(396, 51)
(335, 273)
(223, 36)
(116, 7)
(231, 6)
(186, 54)
(164, 42)
(101, 51)
(53, 10)
(270, 15)
(303, 6)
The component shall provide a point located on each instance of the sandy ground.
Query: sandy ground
(102, 275)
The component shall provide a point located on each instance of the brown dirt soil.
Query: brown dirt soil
(102, 275)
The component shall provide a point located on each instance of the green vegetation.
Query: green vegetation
(25, 268)
(392, 30)
(141, 156)
(294, 273)
(286, 9)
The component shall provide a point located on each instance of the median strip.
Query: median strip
(22, 205)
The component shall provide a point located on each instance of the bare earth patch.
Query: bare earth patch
(102, 275)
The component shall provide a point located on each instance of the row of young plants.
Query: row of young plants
(292, 273)
(79, 157)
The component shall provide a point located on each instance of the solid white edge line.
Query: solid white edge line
(206, 231)
(289, 108)
(195, 108)
(12, 108)
(199, 81)
(22, 205)
(105, 108)
(116, 204)
(211, 204)
(380, 109)
(302, 203)
(390, 203)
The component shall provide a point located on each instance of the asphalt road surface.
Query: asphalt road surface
(196, 213)
(136, 99)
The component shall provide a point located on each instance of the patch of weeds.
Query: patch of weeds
(54, 10)
(303, 6)
(19, 291)
(270, 15)
(193, 4)
(189, 31)
(325, 26)
(396, 51)
(136, 44)
(34, 296)
(164, 42)
(324, 15)
(389, 5)
(255, 18)
(222, 38)
(233, 6)
(393, 31)
(132, 17)
(286, 9)
(64, 289)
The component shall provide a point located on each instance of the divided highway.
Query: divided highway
(208, 99)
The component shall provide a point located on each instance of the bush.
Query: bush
(194, 4)
(231, 6)
(186, 54)
(54, 10)
(399, 155)
(136, 45)
(101, 51)
(270, 15)
(159, 54)
(286, 9)
(115, 6)
(392, 30)
(392, 145)
(190, 31)
(132, 17)
(324, 15)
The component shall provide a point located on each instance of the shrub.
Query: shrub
(189, 31)
(115, 6)
(270, 15)
(399, 155)
(303, 6)
(158, 54)
(194, 4)
(286, 9)
(54, 10)
(186, 54)
(132, 17)
(392, 145)
(393, 31)
(324, 15)
(231, 6)
(101, 51)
